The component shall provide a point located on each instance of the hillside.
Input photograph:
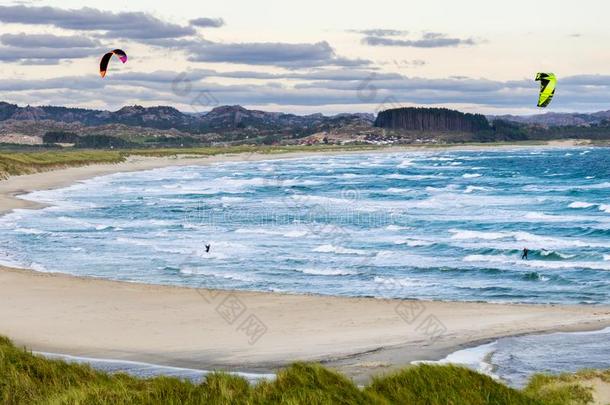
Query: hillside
(234, 122)
(431, 120)
(552, 119)
(163, 126)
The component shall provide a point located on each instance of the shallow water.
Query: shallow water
(147, 370)
(446, 225)
(514, 359)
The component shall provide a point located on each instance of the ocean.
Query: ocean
(513, 360)
(442, 225)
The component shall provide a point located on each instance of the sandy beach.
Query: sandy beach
(244, 331)
(190, 328)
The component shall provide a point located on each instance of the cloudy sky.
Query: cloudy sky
(304, 57)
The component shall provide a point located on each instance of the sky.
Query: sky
(306, 57)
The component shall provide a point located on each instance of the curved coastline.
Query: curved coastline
(182, 327)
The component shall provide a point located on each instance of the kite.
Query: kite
(547, 88)
(106, 58)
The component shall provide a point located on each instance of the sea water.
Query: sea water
(443, 225)
(514, 360)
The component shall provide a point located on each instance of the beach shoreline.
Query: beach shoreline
(183, 327)
(15, 186)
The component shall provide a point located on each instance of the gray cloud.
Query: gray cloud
(38, 56)
(150, 30)
(268, 53)
(428, 40)
(133, 25)
(208, 22)
(47, 41)
(381, 32)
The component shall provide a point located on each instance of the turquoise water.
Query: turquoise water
(446, 225)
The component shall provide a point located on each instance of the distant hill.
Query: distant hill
(557, 119)
(164, 126)
(431, 120)
(220, 120)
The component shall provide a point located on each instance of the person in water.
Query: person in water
(207, 248)
(524, 255)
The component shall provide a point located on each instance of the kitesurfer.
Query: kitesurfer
(524, 255)
(207, 248)
(548, 81)
(106, 58)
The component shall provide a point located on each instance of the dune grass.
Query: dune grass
(571, 388)
(30, 379)
(27, 162)
(16, 163)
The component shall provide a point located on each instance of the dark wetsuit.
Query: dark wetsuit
(207, 248)
(524, 255)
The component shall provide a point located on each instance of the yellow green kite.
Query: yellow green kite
(547, 88)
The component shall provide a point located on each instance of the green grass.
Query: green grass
(570, 389)
(27, 162)
(29, 379)
(17, 163)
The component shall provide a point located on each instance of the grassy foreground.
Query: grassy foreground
(29, 379)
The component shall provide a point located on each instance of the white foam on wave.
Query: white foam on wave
(296, 234)
(472, 189)
(395, 190)
(532, 240)
(397, 176)
(552, 252)
(327, 272)
(440, 158)
(475, 358)
(219, 274)
(229, 200)
(406, 163)
(598, 186)
(397, 228)
(541, 216)
(257, 231)
(339, 250)
(466, 234)
(84, 224)
(396, 285)
(607, 257)
(581, 204)
(553, 265)
(471, 175)
(30, 231)
(414, 242)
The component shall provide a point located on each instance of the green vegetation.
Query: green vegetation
(573, 389)
(16, 163)
(30, 379)
(31, 160)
